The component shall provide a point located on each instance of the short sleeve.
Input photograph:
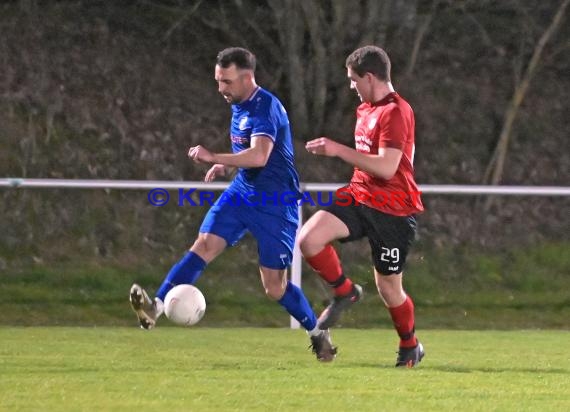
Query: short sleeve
(265, 122)
(392, 129)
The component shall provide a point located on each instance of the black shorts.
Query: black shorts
(390, 236)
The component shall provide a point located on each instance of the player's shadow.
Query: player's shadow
(467, 369)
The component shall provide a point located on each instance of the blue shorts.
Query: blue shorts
(274, 228)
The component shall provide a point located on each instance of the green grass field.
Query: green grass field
(271, 369)
(525, 290)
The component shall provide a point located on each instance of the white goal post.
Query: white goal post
(296, 265)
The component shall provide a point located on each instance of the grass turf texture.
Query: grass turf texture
(247, 369)
(525, 289)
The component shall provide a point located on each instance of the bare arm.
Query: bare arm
(383, 165)
(256, 156)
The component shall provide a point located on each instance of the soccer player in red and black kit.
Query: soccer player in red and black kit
(379, 203)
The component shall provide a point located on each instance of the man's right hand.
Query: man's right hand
(323, 146)
(215, 171)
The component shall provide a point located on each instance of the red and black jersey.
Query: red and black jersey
(388, 123)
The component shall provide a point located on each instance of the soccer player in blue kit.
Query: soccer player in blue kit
(262, 150)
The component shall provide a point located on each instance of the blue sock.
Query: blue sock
(295, 302)
(186, 271)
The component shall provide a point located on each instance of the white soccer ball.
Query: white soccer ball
(184, 305)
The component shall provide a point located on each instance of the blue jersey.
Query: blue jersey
(263, 114)
(268, 215)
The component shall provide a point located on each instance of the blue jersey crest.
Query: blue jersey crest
(264, 115)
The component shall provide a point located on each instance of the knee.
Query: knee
(390, 289)
(274, 291)
(204, 248)
(385, 292)
(302, 237)
(307, 242)
(200, 246)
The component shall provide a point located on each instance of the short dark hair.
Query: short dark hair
(242, 58)
(370, 59)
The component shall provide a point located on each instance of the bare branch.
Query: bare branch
(500, 153)
(269, 45)
(420, 35)
(181, 19)
(371, 24)
(313, 17)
